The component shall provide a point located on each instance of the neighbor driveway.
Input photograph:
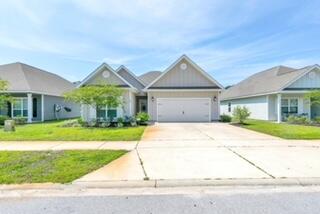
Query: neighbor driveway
(212, 151)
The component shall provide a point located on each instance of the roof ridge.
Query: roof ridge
(24, 74)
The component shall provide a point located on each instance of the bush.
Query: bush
(225, 118)
(142, 118)
(20, 120)
(240, 114)
(120, 122)
(298, 119)
(317, 120)
(2, 119)
(71, 123)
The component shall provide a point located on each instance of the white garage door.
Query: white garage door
(183, 109)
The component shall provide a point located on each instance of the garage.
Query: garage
(183, 109)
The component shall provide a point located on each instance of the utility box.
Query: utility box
(9, 126)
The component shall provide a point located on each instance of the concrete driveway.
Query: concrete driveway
(212, 151)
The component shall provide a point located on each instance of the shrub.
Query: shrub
(2, 119)
(142, 118)
(225, 118)
(71, 123)
(317, 120)
(298, 119)
(240, 114)
(120, 122)
(20, 120)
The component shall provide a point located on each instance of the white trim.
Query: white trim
(132, 74)
(185, 57)
(42, 107)
(279, 116)
(30, 107)
(32, 92)
(300, 76)
(174, 90)
(180, 98)
(97, 70)
(19, 98)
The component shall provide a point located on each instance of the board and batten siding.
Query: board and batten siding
(258, 106)
(177, 77)
(152, 106)
(309, 80)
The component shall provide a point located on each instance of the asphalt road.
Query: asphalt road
(275, 201)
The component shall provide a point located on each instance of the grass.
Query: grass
(283, 130)
(51, 166)
(51, 131)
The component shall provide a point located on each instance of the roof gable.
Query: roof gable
(308, 80)
(270, 81)
(130, 77)
(104, 74)
(184, 73)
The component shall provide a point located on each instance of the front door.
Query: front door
(142, 105)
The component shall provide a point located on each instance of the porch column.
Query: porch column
(29, 96)
(279, 108)
(42, 107)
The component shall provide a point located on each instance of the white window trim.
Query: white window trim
(289, 105)
(20, 99)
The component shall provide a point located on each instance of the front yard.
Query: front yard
(51, 166)
(283, 130)
(52, 131)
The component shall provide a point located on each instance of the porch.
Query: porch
(285, 104)
(25, 105)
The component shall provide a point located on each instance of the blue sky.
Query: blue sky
(229, 39)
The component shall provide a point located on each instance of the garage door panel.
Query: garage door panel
(183, 109)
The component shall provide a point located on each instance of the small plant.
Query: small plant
(2, 119)
(142, 118)
(120, 122)
(293, 119)
(20, 120)
(240, 114)
(225, 118)
(71, 123)
(317, 120)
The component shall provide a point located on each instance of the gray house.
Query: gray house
(38, 94)
(183, 92)
(274, 94)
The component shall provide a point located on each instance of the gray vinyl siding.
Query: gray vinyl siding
(112, 79)
(50, 101)
(272, 103)
(152, 106)
(177, 77)
(309, 80)
(132, 80)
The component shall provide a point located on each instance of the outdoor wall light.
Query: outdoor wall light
(214, 99)
(152, 98)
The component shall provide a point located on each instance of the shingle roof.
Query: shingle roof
(26, 78)
(148, 77)
(264, 82)
(130, 77)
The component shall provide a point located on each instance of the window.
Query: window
(229, 107)
(20, 107)
(289, 106)
(104, 112)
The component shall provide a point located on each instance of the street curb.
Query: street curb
(166, 183)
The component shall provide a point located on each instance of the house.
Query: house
(182, 93)
(37, 94)
(274, 94)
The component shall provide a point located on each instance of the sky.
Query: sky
(229, 39)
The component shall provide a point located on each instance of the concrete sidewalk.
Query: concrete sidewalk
(66, 145)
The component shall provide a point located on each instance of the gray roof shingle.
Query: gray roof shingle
(268, 81)
(148, 77)
(26, 78)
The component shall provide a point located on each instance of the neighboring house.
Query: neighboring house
(183, 92)
(37, 94)
(274, 94)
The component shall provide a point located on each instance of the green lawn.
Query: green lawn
(51, 166)
(283, 130)
(51, 131)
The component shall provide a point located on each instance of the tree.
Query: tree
(240, 114)
(314, 97)
(4, 97)
(96, 95)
